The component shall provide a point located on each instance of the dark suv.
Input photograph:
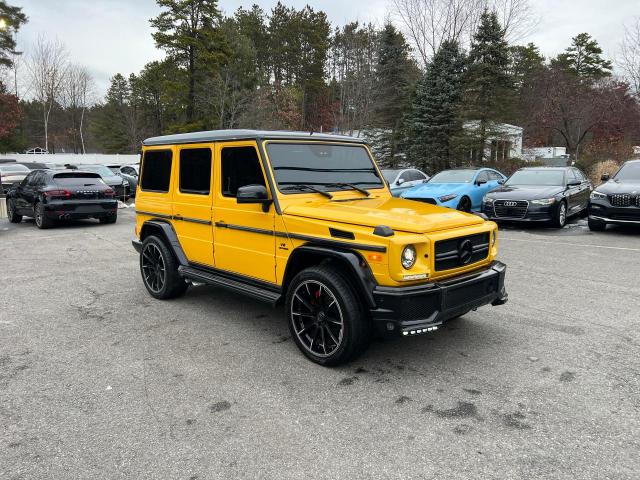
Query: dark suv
(50, 195)
(617, 201)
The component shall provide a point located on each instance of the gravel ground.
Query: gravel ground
(99, 380)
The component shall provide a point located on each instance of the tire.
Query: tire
(159, 270)
(11, 212)
(465, 205)
(596, 225)
(108, 220)
(560, 217)
(325, 316)
(42, 221)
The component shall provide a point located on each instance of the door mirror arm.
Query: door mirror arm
(254, 194)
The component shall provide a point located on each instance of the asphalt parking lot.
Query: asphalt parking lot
(99, 380)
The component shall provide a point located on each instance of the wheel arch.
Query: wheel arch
(350, 262)
(164, 230)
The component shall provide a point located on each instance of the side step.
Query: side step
(211, 278)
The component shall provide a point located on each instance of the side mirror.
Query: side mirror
(500, 182)
(573, 183)
(400, 181)
(480, 182)
(254, 194)
(605, 177)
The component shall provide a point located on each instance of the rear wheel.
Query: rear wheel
(465, 204)
(159, 270)
(560, 218)
(42, 221)
(11, 212)
(596, 225)
(325, 317)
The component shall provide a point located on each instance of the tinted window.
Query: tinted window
(414, 175)
(419, 175)
(156, 171)
(321, 165)
(482, 177)
(494, 176)
(77, 179)
(453, 176)
(195, 171)
(390, 175)
(537, 177)
(630, 172)
(240, 167)
(571, 176)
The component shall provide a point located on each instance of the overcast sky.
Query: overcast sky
(110, 36)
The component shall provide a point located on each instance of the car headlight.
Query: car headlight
(409, 256)
(446, 198)
(488, 200)
(595, 195)
(544, 201)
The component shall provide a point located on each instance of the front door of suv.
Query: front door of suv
(244, 242)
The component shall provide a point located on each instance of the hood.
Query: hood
(432, 190)
(613, 187)
(397, 213)
(525, 192)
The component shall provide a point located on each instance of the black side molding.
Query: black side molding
(169, 233)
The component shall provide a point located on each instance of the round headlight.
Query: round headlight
(408, 257)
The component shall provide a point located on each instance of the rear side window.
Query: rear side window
(195, 171)
(240, 167)
(156, 171)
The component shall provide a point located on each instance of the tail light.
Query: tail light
(109, 192)
(59, 194)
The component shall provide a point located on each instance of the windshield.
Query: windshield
(453, 176)
(99, 169)
(322, 165)
(390, 175)
(629, 172)
(15, 168)
(545, 178)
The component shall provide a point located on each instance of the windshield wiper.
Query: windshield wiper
(350, 185)
(302, 186)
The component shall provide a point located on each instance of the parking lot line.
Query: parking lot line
(571, 244)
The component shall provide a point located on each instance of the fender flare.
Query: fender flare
(167, 231)
(354, 263)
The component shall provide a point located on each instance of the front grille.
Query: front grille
(431, 201)
(620, 200)
(461, 251)
(510, 208)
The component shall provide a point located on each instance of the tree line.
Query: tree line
(434, 90)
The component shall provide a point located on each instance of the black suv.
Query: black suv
(617, 201)
(50, 195)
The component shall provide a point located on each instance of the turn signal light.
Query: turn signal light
(375, 257)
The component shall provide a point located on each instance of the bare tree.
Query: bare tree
(47, 66)
(629, 57)
(77, 95)
(428, 23)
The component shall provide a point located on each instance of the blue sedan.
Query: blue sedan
(458, 188)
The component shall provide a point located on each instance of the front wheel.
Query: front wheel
(11, 212)
(159, 270)
(596, 225)
(325, 317)
(465, 204)
(560, 218)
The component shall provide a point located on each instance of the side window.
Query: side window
(482, 176)
(156, 171)
(240, 167)
(195, 171)
(494, 176)
(405, 176)
(571, 176)
(28, 180)
(420, 175)
(579, 175)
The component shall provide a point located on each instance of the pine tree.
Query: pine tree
(433, 121)
(111, 118)
(12, 19)
(584, 59)
(488, 88)
(395, 73)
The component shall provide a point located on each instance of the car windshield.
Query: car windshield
(99, 169)
(453, 176)
(70, 179)
(325, 167)
(629, 172)
(390, 175)
(13, 168)
(545, 178)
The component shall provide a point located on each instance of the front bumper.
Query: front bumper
(534, 213)
(420, 308)
(603, 211)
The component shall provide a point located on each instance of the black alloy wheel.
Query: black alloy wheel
(464, 205)
(11, 212)
(325, 316)
(159, 270)
(42, 221)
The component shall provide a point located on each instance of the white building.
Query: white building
(531, 154)
(504, 140)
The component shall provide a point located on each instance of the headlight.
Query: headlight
(446, 198)
(597, 195)
(488, 200)
(544, 201)
(408, 258)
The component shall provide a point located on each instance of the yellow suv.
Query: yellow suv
(306, 220)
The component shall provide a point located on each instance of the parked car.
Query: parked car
(133, 170)
(38, 165)
(540, 194)
(305, 220)
(617, 201)
(132, 182)
(50, 195)
(458, 188)
(400, 180)
(116, 182)
(11, 174)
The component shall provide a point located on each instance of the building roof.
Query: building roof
(231, 135)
